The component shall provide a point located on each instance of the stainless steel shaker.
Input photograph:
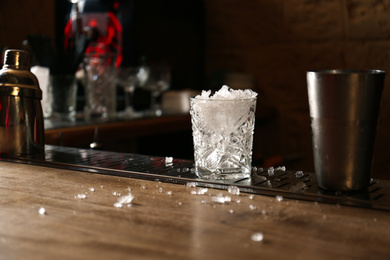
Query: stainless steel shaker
(21, 117)
(344, 109)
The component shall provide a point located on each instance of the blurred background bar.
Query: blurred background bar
(265, 45)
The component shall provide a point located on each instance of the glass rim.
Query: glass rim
(347, 71)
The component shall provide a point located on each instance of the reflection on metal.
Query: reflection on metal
(289, 184)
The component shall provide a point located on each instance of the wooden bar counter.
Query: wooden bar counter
(49, 213)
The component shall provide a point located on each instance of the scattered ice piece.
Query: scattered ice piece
(279, 198)
(271, 171)
(238, 200)
(251, 196)
(231, 211)
(281, 168)
(234, 190)
(257, 237)
(91, 189)
(254, 169)
(143, 187)
(124, 200)
(116, 193)
(180, 203)
(101, 186)
(169, 192)
(299, 174)
(203, 201)
(201, 191)
(193, 192)
(221, 199)
(185, 169)
(128, 189)
(160, 189)
(118, 205)
(252, 207)
(263, 212)
(42, 211)
(191, 184)
(80, 196)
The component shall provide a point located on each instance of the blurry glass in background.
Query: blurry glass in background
(159, 81)
(129, 79)
(100, 87)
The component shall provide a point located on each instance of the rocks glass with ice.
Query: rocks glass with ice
(222, 129)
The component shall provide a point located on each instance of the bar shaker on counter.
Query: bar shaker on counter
(344, 109)
(21, 117)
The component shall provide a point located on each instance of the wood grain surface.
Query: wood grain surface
(171, 221)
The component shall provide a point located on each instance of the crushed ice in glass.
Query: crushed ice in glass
(227, 93)
(234, 190)
(257, 237)
(191, 184)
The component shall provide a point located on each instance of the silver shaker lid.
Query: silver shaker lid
(15, 76)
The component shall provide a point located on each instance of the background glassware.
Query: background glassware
(159, 80)
(63, 91)
(129, 79)
(100, 88)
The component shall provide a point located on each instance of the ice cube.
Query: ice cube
(234, 190)
(221, 199)
(257, 237)
(127, 199)
(279, 198)
(42, 211)
(80, 196)
(271, 171)
(299, 174)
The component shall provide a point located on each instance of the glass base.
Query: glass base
(223, 174)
